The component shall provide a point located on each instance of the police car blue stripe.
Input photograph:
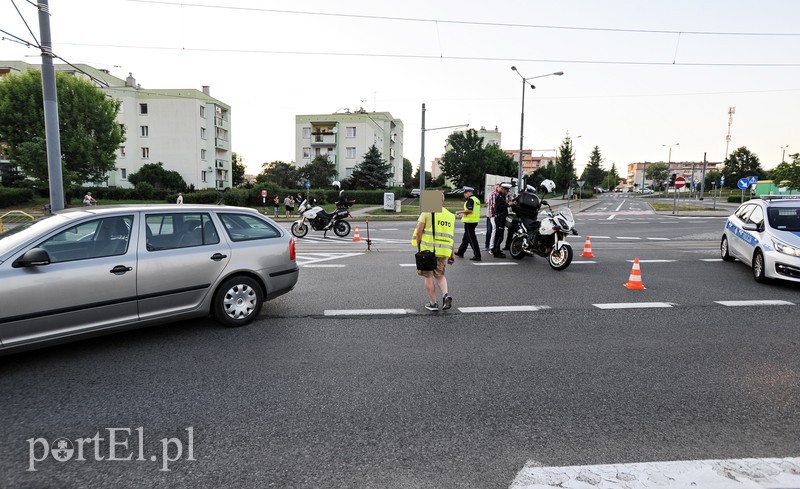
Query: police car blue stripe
(741, 234)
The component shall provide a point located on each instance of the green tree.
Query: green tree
(237, 170)
(90, 134)
(498, 162)
(428, 179)
(564, 173)
(465, 161)
(156, 175)
(373, 171)
(658, 173)
(408, 172)
(612, 177)
(282, 174)
(320, 172)
(593, 173)
(789, 172)
(740, 164)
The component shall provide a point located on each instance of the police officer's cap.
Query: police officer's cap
(468, 189)
(506, 185)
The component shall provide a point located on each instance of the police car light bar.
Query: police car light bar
(780, 197)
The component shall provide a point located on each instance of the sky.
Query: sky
(640, 78)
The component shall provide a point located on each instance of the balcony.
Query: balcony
(222, 144)
(220, 163)
(323, 139)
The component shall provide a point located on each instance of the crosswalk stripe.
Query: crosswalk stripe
(502, 309)
(755, 303)
(633, 305)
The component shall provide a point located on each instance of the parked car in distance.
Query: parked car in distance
(645, 190)
(415, 193)
(599, 190)
(95, 270)
(765, 235)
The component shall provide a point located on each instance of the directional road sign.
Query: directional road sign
(743, 183)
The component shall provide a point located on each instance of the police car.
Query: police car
(765, 234)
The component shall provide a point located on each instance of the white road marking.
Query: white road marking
(658, 239)
(765, 302)
(502, 309)
(408, 264)
(324, 266)
(632, 305)
(653, 261)
(587, 261)
(305, 259)
(628, 237)
(711, 259)
(610, 217)
(749, 473)
(488, 264)
(619, 206)
(363, 312)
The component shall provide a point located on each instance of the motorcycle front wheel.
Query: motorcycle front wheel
(559, 259)
(516, 248)
(341, 228)
(299, 230)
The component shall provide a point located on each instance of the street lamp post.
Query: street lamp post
(783, 156)
(522, 117)
(669, 155)
(422, 148)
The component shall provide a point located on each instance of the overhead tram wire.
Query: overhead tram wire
(464, 22)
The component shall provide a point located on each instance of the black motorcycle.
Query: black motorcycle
(319, 220)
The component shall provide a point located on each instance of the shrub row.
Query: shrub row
(13, 196)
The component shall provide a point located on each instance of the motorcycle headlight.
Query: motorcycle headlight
(786, 249)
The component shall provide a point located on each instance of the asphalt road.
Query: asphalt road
(302, 398)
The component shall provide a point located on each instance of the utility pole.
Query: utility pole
(731, 111)
(703, 177)
(422, 155)
(52, 136)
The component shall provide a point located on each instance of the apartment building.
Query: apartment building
(692, 171)
(344, 137)
(187, 130)
(530, 162)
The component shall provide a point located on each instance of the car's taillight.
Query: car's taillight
(292, 251)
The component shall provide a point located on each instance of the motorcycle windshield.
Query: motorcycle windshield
(567, 214)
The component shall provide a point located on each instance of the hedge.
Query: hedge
(12, 196)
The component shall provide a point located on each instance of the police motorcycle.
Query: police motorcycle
(546, 237)
(313, 216)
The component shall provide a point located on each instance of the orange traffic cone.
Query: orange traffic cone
(587, 249)
(635, 279)
(357, 235)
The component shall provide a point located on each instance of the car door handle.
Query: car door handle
(218, 256)
(121, 269)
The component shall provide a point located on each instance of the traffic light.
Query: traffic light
(672, 179)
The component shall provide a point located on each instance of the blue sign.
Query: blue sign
(752, 180)
(308, 184)
(722, 180)
(743, 183)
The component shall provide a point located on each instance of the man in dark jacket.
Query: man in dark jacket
(500, 212)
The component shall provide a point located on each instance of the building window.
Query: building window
(203, 154)
(203, 177)
(145, 131)
(348, 172)
(122, 151)
(202, 133)
(122, 129)
(306, 133)
(351, 153)
(123, 173)
(351, 131)
(143, 109)
(145, 153)
(306, 153)
(317, 151)
(203, 111)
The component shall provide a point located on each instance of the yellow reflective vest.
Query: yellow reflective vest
(442, 240)
(475, 215)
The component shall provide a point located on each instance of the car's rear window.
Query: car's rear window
(243, 227)
(784, 218)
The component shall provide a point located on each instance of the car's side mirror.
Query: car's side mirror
(749, 226)
(33, 258)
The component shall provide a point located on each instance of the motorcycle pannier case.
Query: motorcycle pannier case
(528, 205)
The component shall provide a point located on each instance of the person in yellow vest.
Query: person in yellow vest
(470, 216)
(439, 239)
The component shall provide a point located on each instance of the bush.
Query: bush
(14, 196)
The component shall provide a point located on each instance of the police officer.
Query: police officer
(436, 231)
(500, 213)
(470, 216)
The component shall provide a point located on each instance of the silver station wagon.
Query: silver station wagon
(95, 270)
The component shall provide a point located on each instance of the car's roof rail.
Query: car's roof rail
(780, 197)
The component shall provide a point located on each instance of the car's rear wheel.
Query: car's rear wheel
(758, 267)
(237, 301)
(723, 250)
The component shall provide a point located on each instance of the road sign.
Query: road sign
(743, 183)
(752, 180)
(680, 182)
(308, 184)
(722, 180)
(263, 193)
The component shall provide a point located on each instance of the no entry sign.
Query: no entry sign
(680, 182)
